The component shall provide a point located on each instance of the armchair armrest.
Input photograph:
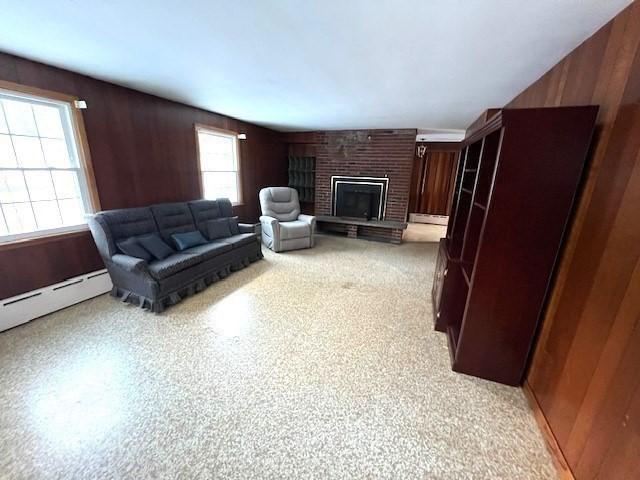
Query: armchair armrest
(129, 264)
(311, 220)
(270, 226)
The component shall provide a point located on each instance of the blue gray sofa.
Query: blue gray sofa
(154, 282)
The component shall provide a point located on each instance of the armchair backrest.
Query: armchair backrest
(280, 202)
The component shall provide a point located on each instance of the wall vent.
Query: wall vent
(28, 306)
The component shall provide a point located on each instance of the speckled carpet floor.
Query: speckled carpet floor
(311, 364)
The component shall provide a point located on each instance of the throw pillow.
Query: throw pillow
(131, 247)
(218, 228)
(154, 244)
(233, 225)
(188, 240)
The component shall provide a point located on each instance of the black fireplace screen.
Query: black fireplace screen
(359, 197)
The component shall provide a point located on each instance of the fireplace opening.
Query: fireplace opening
(356, 203)
(359, 197)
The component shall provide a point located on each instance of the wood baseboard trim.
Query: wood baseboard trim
(564, 471)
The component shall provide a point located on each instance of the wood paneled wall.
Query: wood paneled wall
(584, 372)
(143, 151)
(433, 178)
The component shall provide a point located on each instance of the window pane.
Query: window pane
(66, 184)
(216, 152)
(55, 153)
(12, 187)
(28, 151)
(20, 117)
(3, 225)
(48, 121)
(41, 181)
(72, 211)
(3, 123)
(19, 217)
(220, 184)
(7, 157)
(47, 214)
(40, 185)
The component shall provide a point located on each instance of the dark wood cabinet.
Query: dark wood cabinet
(438, 280)
(518, 177)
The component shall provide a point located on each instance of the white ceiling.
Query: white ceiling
(303, 65)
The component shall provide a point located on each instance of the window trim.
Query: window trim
(200, 127)
(84, 157)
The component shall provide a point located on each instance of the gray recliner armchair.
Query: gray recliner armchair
(283, 227)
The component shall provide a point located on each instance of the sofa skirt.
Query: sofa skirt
(192, 280)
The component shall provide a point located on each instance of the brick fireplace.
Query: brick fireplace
(361, 153)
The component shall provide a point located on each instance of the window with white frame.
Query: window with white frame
(219, 164)
(43, 186)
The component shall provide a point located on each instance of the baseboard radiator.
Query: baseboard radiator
(426, 218)
(28, 306)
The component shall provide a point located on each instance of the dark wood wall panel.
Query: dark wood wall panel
(433, 178)
(144, 151)
(584, 372)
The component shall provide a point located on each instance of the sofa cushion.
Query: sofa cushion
(241, 239)
(218, 229)
(203, 211)
(173, 218)
(131, 247)
(209, 250)
(295, 229)
(226, 209)
(233, 225)
(129, 222)
(188, 240)
(155, 246)
(173, 264)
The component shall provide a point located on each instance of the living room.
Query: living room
(284, 240)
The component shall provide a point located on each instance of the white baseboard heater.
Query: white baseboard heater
(426, 218)
(27, 306)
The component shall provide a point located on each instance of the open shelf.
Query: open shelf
(456, 193)
(453, 334)
(487, 166)
(472, 237)
(473, 155)
(465, 274)
(462, 213)
(302, 177)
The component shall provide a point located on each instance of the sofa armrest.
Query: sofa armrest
(250, 228)
(130, 264)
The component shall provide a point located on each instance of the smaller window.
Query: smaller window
(219, 164)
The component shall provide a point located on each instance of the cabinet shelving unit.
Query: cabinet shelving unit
(515, 186)
(302, 177)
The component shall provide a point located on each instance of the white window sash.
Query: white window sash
(71, 142)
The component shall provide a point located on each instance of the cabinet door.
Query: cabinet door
(438, 280)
